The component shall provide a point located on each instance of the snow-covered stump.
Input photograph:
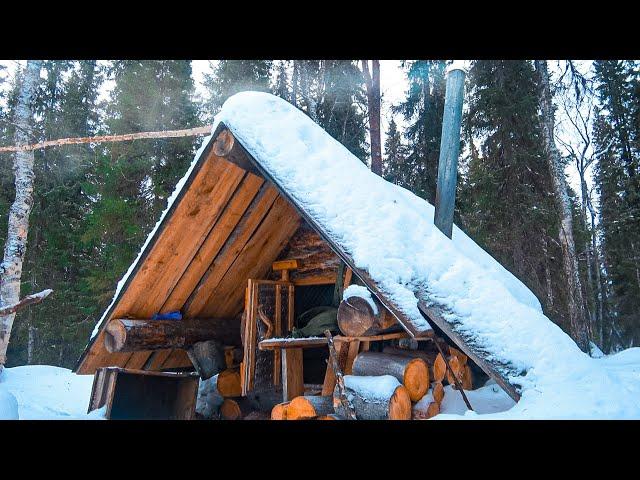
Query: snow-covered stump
(375, 398)
(413, 373)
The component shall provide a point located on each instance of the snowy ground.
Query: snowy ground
(52, 393)
(43, 392)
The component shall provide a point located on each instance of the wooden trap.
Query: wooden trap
(143, 395)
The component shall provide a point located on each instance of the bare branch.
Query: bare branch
(25, 302)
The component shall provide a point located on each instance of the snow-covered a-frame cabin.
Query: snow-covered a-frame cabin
(273, 219)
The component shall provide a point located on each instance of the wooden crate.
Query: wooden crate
(142, 395)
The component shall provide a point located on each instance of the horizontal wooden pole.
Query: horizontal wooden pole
(189, 132)
(131, 335)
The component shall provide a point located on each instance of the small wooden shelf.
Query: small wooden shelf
(313, 342)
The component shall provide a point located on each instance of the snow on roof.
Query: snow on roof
(389, 233)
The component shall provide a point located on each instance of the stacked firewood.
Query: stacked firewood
(394, 384)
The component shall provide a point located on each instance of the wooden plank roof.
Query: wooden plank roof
(229, 223)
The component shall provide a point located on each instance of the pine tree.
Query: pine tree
(423, 110)
(616, 135)
(506, 199)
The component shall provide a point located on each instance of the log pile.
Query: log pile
(396, 383)
(401, 382)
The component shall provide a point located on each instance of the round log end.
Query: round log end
(438, 392)
(279, 412)
(300, 408)
(230, 410)
(355, 317)
(223, 144)
(228, 384)
(439, 369)
(416, 379)
(400, 404)
(114, 336)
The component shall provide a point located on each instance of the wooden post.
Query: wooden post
(292, 374)
(449, 151)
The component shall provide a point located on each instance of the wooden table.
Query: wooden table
(346, 347)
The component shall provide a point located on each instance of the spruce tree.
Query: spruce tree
(341, 104)
(507, 203)
(423, 110)
(394, 168)
(616, 134)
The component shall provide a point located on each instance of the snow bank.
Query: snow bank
(43, 392)
(8, 405)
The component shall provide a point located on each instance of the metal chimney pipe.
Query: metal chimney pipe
(449, 151)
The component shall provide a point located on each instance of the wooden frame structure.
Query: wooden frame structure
(240, 220)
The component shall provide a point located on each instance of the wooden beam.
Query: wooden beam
(226, 146)
(128, 335)
(292, 374)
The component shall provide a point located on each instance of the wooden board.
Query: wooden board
(251, 192)
(254, 260)
(228, 253)
(185, 214)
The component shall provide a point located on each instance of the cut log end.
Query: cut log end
(412, 372)
(307, 407)
(416, 379)
(437, 391)
(279, 411)
(432, 410)
(230, 410)
(356, 318)
(400, 404)
(224, 144)
(439, 369)
(114, 337)
(228, 384)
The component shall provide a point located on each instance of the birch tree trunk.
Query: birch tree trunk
(577, 320)
(16, 244)
(372, 82)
